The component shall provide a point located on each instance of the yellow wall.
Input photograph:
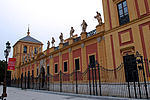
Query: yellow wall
(107, 34)
(18, 54)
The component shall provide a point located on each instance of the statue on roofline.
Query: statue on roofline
(48, 45)
(53, 41)
(71, 32)
(61, 38)
(84, 26)
(99, 18)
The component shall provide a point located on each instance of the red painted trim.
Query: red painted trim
(56, 60)
(109, 14)
(138, 11)
(127, 42)
(143, 44)
(77, 53)
(92, 48)
(146, 6)
(137, 8)
(65, 57)
(113, 54)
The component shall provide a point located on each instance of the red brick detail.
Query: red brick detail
(137, 8)
(56, 60)
(143, 45)
(109, 14)
(92, 48)
(56, 77)
(22, 69)
(65, 57)
(131, 37)
(28, 68)
(79, 76)
(65, 77)
(32, 66)
(77, 53)
(113, 54)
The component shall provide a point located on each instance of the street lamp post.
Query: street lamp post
(6, 53)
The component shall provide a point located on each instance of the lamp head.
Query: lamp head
(8, 47)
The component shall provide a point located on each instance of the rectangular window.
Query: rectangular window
(56, 68)
(47, 69)
(123, 12)
(92, 60)
(25, 49)
(65, 67)
(77, 64)
(35, 50)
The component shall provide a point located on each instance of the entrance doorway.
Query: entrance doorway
(130, 67)
(43, 76)
(28, 80)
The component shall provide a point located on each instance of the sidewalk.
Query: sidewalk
(29, 94)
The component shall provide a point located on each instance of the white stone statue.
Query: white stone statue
(99, 18)
(53, 41)
(61, 38)
(48, 45)
(71, 32)
(84, 26)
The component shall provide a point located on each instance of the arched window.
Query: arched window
(35, 50)
(25, 49)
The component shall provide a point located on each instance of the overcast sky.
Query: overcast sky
(47, 18)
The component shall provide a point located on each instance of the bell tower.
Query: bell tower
(24, 51)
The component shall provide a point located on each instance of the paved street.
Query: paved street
(18, 94)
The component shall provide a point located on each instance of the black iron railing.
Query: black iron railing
(95, 80)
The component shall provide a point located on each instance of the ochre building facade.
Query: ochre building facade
(126, 29)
